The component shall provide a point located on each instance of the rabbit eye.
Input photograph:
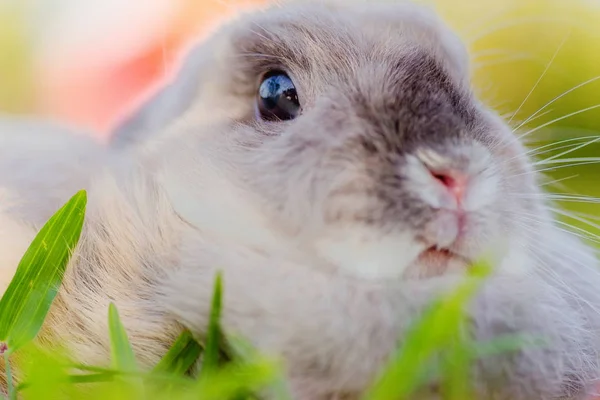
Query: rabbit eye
(277, 99)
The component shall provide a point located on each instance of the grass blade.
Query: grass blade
(10, 389)
(152, 376)
(234, 379)
(456, 379)
(436, 330)
(181, 356)
(44, 370)
(212, 349)
(91, 378)
(243, 352)
(123, 359)
(122, 354)
(32, 290)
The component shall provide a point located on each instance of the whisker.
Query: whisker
(556, 168)
(558, 197)
(485, 20)
(517, 57)
(547, 248)
(559, 254)
(513, 23)
(553, 146)
(541, 76)
(555, 181)
(586, 215)
(533, 118)
(557, 156)
(571, 229)
(559, 133)
(556, 99)
(574, 160)
(561, 284)
(575, 217)
(558, 119)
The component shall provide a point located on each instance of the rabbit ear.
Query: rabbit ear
(164, 106)
(42, 164)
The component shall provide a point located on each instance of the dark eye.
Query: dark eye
(277, 98)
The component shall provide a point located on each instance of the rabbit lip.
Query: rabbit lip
(435, 261)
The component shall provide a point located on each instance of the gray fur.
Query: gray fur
(318, 223)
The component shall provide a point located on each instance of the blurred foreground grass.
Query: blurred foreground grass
(436, 350)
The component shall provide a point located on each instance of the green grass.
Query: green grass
(435, 348)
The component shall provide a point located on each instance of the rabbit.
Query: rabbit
(59, 158)
(331, 160)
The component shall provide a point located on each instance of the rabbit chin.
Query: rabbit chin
(367, 254)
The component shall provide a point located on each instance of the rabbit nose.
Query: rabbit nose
(450, 175)
(455, 183)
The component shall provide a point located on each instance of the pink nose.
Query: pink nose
(455, 183)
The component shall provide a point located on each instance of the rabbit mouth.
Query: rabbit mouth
(434, 261)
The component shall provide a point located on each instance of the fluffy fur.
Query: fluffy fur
(319, 223)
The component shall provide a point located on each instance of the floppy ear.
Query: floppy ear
(165, 105)
(43, 164)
